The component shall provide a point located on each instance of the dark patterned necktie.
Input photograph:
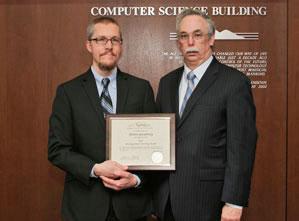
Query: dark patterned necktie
(105, 98)
(190, 77)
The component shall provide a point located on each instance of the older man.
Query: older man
(215, 131)
(96, 189)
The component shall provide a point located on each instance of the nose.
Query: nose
(108, 43)
(190, 40)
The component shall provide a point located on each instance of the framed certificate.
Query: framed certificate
(141, 141)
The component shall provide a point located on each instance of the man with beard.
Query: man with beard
(97, 189)
(215, 131)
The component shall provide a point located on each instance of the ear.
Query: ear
(88, 46)
(212, 40)
(178, 44)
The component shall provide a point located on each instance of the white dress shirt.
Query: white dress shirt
(199, 72)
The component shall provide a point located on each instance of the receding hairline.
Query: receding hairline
(193, 12)
(101, 20)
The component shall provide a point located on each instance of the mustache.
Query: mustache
(192, 49)
(108, 52)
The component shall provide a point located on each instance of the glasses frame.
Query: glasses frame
(196, 36)
(102, 40)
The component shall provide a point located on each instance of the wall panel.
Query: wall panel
(42, 45)
(293, 110)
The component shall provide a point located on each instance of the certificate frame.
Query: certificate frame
(112, 149)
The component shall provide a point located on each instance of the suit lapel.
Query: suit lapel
(122, 91)
(207, 80)
(174, 87)
(90, 87)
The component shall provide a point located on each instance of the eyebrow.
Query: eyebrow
(197, 30)
(103, 36)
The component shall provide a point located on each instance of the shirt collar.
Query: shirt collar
(98, 77)
(200, 70)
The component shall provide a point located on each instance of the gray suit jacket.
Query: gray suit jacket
(215, 144)
(77, 139)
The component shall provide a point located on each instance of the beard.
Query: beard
(106, 67)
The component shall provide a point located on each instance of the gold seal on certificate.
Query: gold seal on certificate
(157, 157)
(142, 141)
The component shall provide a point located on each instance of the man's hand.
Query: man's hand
(125, 181)
(114, 175)
(110, 169)
(231, 214)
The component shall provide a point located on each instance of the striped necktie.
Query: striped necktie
(190, 77)
(105, 98)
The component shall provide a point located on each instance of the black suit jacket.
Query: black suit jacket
(77, 141)
(215, 144)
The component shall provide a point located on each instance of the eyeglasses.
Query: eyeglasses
(197, 36)
(103, 40)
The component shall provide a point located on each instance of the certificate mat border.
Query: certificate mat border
(170, 116)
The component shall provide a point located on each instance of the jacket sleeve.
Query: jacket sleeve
(241, 144)
(61, 140)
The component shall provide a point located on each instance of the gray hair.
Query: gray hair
(103, 20)
(190, 11)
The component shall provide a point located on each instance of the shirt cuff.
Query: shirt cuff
(92, 173)
(138, 180)
(234, 206)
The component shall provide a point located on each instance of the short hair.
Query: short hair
(190, 11)
(103, 20)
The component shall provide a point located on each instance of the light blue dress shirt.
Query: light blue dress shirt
(112, 87)
(199, 72)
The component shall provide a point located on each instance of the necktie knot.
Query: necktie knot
(105, 82)
(191, 76)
